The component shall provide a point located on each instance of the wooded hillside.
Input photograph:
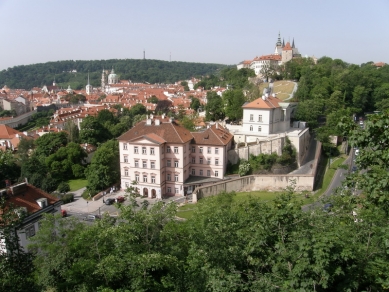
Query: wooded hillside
(152, 71)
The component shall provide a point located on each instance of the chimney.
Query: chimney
(148, 122)
(157, 122)
(217, 125)
(42, 202)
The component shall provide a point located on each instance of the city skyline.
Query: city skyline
(223, 32)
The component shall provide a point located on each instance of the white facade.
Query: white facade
(261, 120)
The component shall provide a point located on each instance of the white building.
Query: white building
(164, 158)
(266, 115)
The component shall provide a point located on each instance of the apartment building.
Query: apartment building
(164, 158)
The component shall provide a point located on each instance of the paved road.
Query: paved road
(336, 182)
(80, 207)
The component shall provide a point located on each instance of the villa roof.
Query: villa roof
(267, 103)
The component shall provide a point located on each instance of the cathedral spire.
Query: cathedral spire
(293, 44)
(278, 40)
(283, 42)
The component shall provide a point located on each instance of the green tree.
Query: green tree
(63, 187)
(214, 109)
(188, 122)
(373, 142)
(61, 163)
(92, 131)
(9, 169)
(74, 132)
(233, 101)
(194, 103)
(104, 169)
(15, 263)
(153, 99)
(50, 143)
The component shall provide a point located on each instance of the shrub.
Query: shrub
(244, 168)
(63, 187)
(68, 198)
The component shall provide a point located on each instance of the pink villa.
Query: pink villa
(165, 159)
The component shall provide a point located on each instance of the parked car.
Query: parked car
(120, 199)
(91, 217)
(64, 213)
(327, 207)
(109, 201)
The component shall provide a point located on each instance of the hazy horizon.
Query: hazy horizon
(220, 32)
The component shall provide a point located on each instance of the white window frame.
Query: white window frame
(144, 163)
(145, 178)
(168, 149)
(136, 163)
(136, 150)
(168, 163)
(153, 179)
(208, 172)
(176, 150)
(124, 146)
(176, 177)
(144, 150)
(152, 164)
(125, 158)
(152, 151)
(251, 117)
(193, 171)
(176, 163)
(216, 173)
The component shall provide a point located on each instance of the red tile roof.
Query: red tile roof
(28, 195)
(260, 103)
(287, 47)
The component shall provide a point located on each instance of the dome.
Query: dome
(112, 78)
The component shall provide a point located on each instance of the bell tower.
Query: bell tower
(103, 81)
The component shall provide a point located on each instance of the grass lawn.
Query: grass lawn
(283, 89)
(186, 211)
(76, 184)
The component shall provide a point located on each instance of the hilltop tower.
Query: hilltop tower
(89, 87)
(279, 45)
(103, 83)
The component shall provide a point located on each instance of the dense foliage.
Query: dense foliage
(333, 87)
(152, 71)
(225, 246)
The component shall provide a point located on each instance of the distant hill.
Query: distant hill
(75, 73)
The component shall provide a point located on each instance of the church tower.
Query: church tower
(103, 81)
(88, 87)
(279, 46)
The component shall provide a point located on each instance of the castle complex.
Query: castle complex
(283, 53)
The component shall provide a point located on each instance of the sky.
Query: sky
(204, 31)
